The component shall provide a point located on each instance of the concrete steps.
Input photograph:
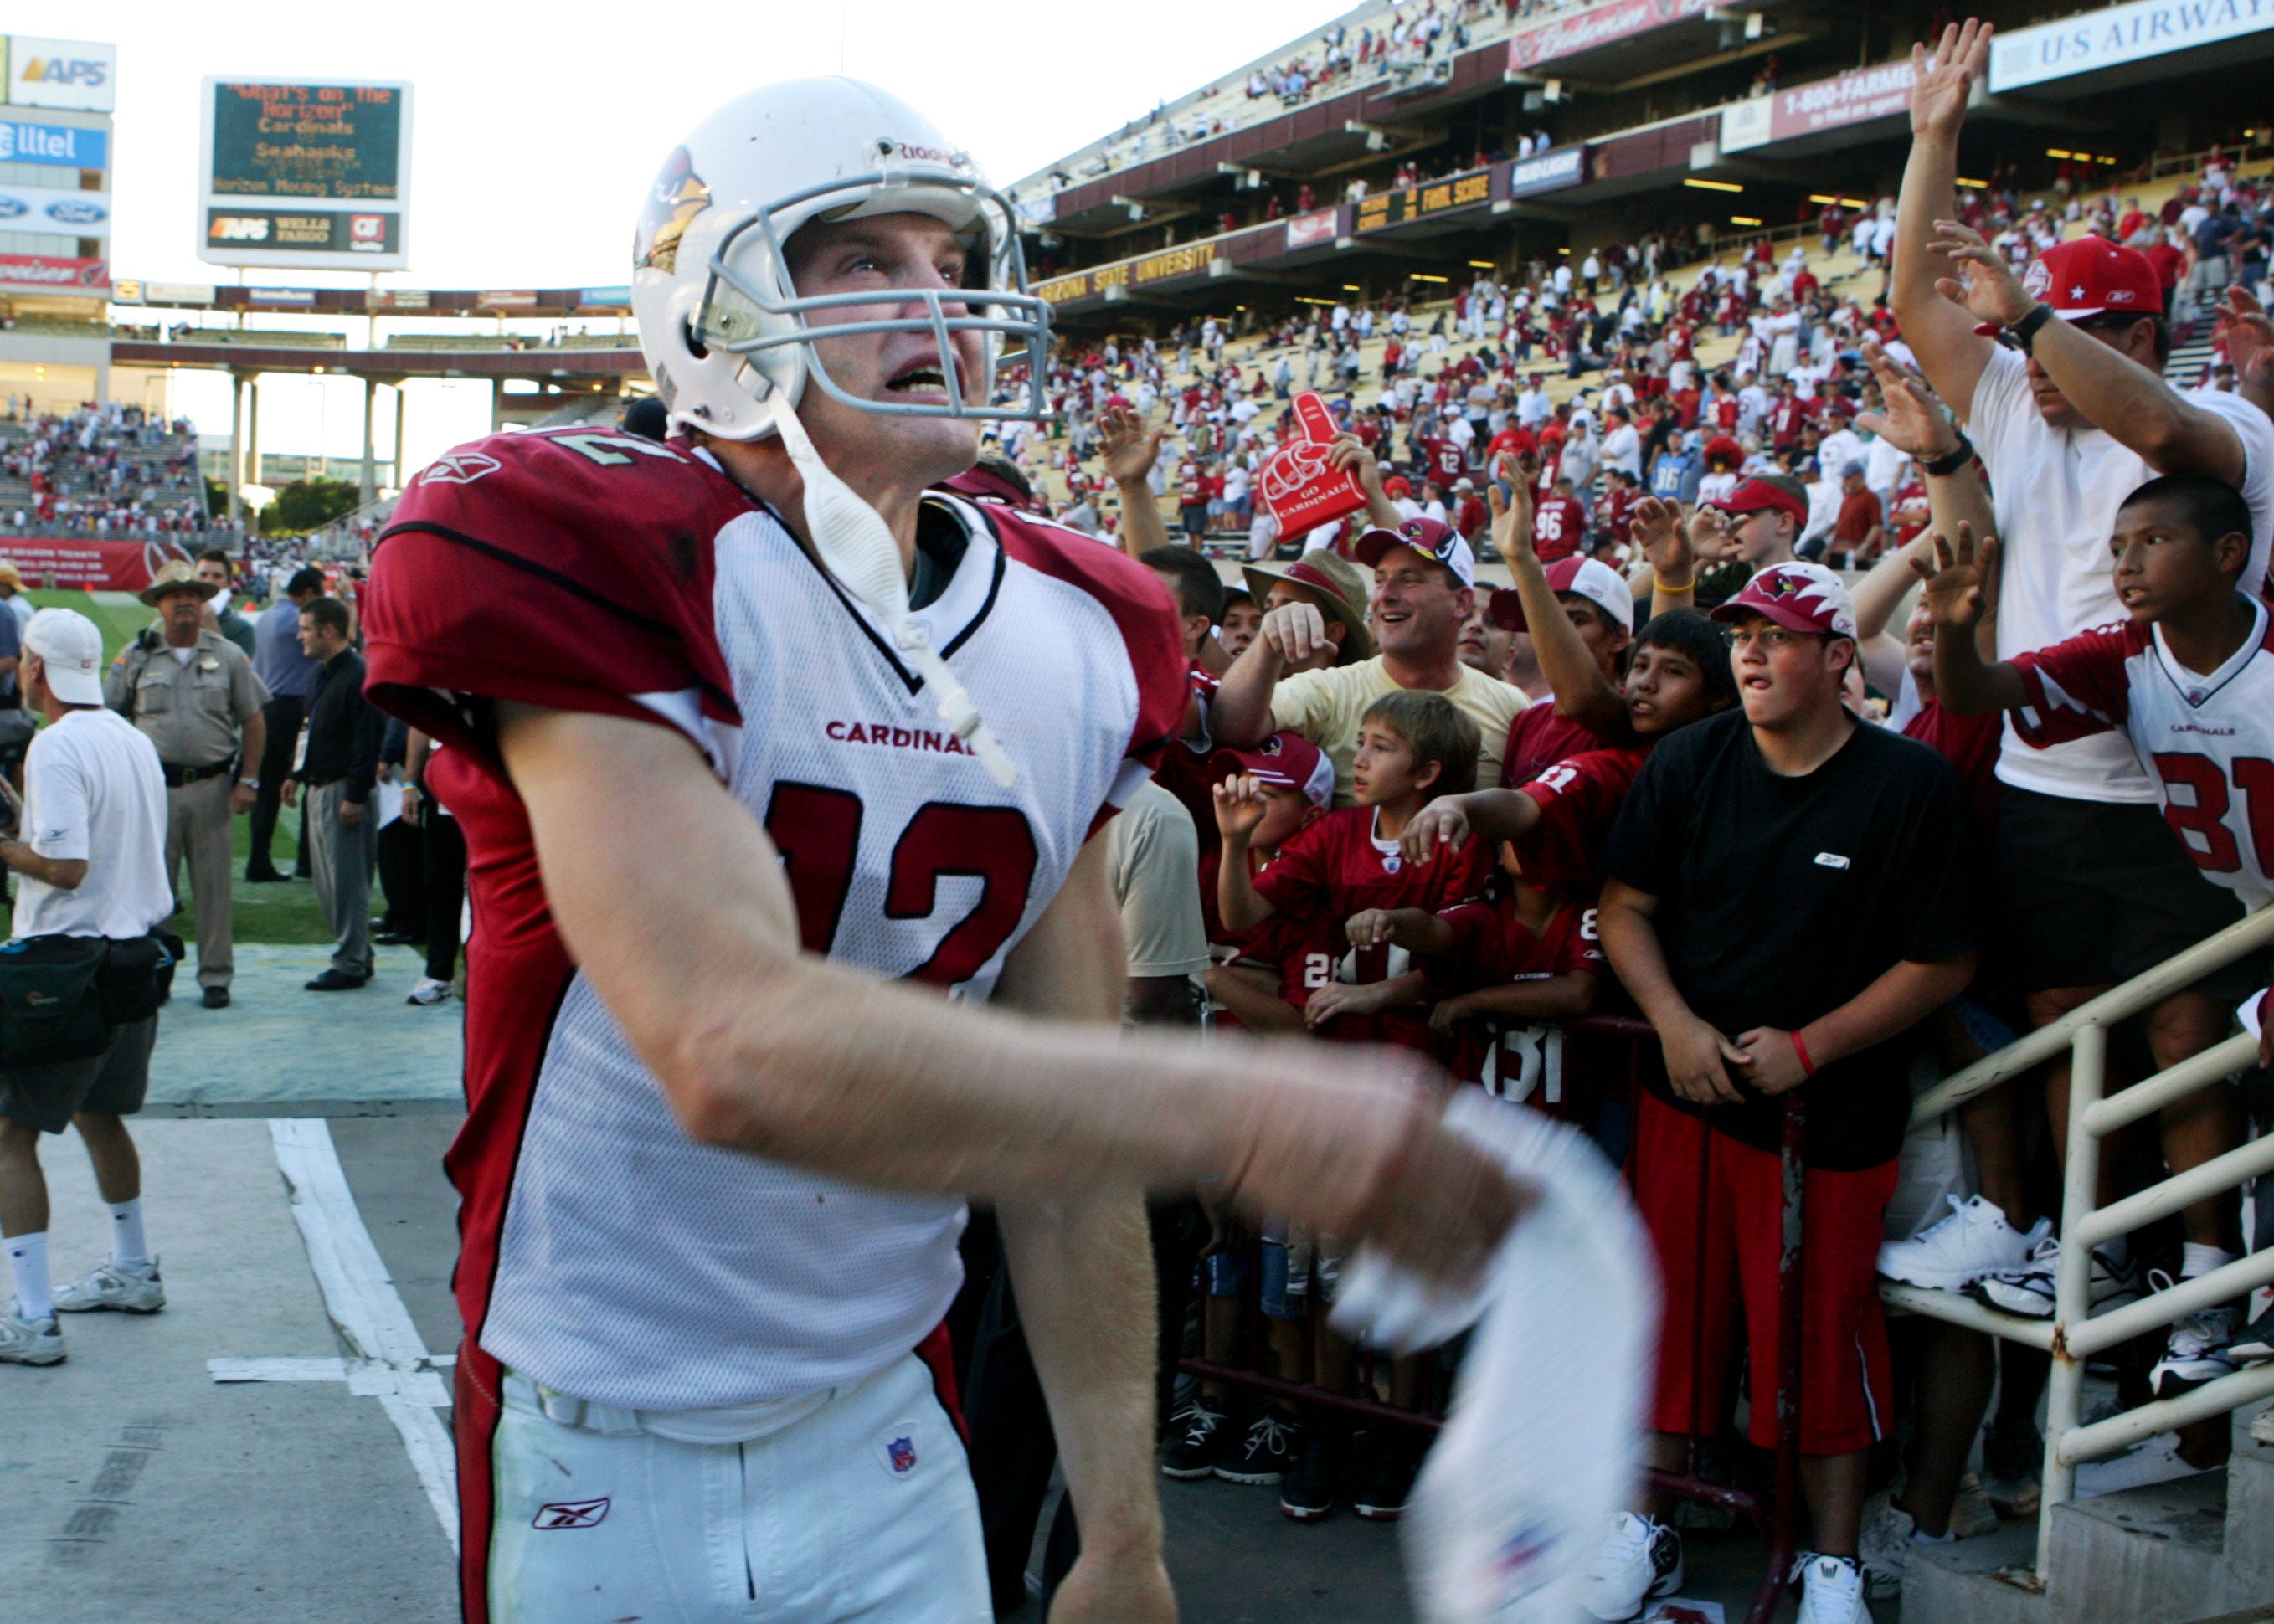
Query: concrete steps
(2169, 1554)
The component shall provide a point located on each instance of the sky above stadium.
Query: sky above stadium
(536, 130)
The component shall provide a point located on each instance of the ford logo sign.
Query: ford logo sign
(73, 213)
(12, 208)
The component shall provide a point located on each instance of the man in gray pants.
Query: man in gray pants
(337, 764)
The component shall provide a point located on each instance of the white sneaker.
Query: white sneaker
(131, 1290)
(2029, 1290)
(1639, 1561)
(2156, 1459)
(34, 1342)
(1832, 1590)
(1950, 1256)
(429, 992)
(2200, 1349)
(1971, 1513)
(1883, 1545)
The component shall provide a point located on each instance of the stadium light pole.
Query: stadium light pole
(369, 493)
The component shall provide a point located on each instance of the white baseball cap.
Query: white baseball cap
(70, 649)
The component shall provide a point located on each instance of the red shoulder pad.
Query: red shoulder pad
(570, 569)
(1140, 604)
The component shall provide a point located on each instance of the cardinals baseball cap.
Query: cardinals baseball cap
(1804, 598)
(1427, 537)
(71, 649)
(2089, 276)
(1589, 578)
(1759, 495)
(1290, 761)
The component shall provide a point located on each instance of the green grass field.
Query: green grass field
(283, 912)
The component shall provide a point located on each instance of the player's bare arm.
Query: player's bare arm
(762, 1047)
(1083, 1266)
(1698, 1056)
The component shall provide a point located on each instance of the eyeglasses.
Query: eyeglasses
(1769, 636)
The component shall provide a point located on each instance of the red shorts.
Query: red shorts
(1728, 1268)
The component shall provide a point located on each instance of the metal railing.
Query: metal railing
(1576, 1078)
(2074, 1334)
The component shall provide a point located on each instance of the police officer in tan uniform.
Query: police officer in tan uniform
(194, 693)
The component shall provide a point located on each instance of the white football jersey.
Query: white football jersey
(609, 1255)
(2206, 739)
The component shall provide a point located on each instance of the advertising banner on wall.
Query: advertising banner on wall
(1828, 104)
(65, 147)
(1312, 230)
(1598, 24)
(67, 73)
(306, 176)
(90, 566)
(54, 210)
(49, 271)
(2117, 36)
(1548, 171)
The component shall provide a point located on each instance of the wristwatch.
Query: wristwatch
(1950, 461)
(2026, 330)
(252, 784)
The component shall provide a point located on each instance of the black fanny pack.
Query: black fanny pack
(61, 996)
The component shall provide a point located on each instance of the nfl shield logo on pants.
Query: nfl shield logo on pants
(897, 1447)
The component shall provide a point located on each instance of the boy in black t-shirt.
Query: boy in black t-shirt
(1786, 897)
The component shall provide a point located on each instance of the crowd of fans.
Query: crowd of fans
(104, 472)
(1459, 819)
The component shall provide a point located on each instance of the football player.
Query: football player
(777, 765)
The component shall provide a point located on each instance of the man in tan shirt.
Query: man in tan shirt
(1424, 582)
(194, 694)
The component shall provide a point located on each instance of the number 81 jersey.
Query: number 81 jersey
(607, 1254)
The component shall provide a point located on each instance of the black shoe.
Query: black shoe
(216, 997)
(1264, 1455)
(1309, 1494)
(269, 875)
(336, 981)
(393, 938)
(1389, 1483)
(1202, 1434)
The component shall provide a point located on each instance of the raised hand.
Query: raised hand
(1914, 420)
(1944, 77)
(2249, 339)
(1240, 805)
(1128, 447)
(1294, 632)
(1961, 579)
(1442, 823)
(1985, 286)
(1711, 540)
(1656, 530)
(1348, 453)
(1511, 519)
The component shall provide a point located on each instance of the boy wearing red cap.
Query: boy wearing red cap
(1786, 897)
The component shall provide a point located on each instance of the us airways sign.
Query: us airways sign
(2117, 36)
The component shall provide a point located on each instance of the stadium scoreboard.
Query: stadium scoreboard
(311, 175)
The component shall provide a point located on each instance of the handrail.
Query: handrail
(2074, 1333)
(2149, 987)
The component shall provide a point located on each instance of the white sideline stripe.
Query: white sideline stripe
(278, 1370)
(361, 1298)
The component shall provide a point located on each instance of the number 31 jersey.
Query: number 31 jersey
(605, 1253)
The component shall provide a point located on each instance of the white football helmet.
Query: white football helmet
(725, 331)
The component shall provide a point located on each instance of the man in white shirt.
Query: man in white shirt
(1622, 444)
(92, 866)
(1532, 406)
(2092, 888)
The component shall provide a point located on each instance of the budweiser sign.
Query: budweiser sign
(1599, 25)
(1302, 488)
(50, 273)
